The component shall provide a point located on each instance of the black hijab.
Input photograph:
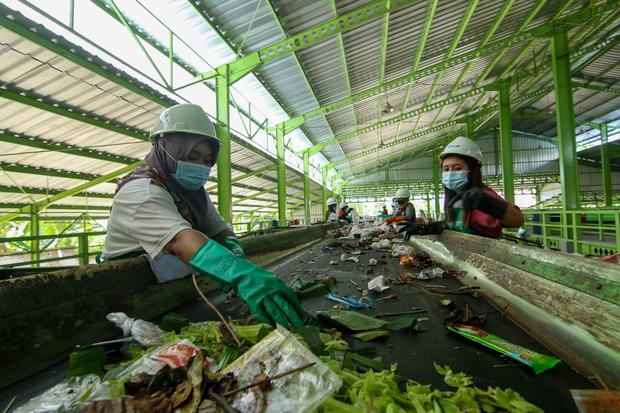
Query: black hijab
(161, 163)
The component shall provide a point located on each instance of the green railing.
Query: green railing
(584, 231)
(84, 249)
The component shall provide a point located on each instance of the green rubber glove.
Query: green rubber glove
(234, 246)
(267, 297)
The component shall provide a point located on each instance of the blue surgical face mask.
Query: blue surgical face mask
(191, 176)
(455, 180)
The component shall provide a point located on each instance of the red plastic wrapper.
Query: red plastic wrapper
(408, 260)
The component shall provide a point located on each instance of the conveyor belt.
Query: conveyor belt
(415, 354)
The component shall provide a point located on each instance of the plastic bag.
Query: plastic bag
(144, 332)
(279, 352)
(72, 395)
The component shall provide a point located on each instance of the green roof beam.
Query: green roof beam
(71, 112)
(460, 31)
(46, 191)
(55, 146)
(75, 190)
(55, 44)
(487, 38)
(497, 46)
(316, 34)
(39, 170)
(426, 28)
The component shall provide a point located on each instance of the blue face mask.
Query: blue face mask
(455, 180)
(191, 176)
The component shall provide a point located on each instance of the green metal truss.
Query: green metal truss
(497, 46)
(396, 119)
(318, 33)
(9, 205)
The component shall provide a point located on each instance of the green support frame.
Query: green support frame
(565, 118)
(307, 187)
(606, 166)
(281, 174)
(436, 181)
(224, 168)
(505, 133)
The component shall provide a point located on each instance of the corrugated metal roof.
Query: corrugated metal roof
(209, 33)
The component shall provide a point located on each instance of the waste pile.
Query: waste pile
(328, 365)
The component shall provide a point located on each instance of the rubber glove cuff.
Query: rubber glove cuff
(216, 261)
(234, 246)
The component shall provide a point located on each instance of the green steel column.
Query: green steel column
(436, 181)
(505, 131)
(333, 182)
(605, 166)
(281, 175)
(565, 118)
(307, 186)
(224, 163)
(35, 254)
(428, 204)
(324, 189)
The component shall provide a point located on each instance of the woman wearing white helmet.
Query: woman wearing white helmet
(332, 214)
(469, 204)
(405, 211)
(163, 210)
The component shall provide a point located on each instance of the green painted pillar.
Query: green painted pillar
(436, 182)
(281, 175)
(505, 132)
(334, 191)
(224, 163)
(307, 186)
(565, 118)
(606, 166)
(428, 204)
(35, 253)
(324, 189)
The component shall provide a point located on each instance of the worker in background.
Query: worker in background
(331, 214)
(162, 208)
(405, 211)
(470, 206)
(344, 213)
(384, 211)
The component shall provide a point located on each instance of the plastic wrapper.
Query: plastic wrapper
(144, 332)
(539, 362)
(430, 273)
(71, 395)
(174, 355)
(399, 250)
(279, 352)
(377, 284)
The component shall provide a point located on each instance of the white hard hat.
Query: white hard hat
(343, 204)
(184, 117)
(402, 193)
(463, 146)
(331, 201)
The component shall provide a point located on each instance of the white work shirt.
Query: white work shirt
(145, 217)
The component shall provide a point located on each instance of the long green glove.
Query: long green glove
(234, 246)
(267, 297)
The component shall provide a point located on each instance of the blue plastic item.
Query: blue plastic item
(351, 301)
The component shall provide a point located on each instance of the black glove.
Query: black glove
(411, 228)
(476, 198)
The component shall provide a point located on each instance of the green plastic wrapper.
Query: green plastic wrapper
(539, 362)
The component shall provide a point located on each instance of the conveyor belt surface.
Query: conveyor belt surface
(415, 354)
